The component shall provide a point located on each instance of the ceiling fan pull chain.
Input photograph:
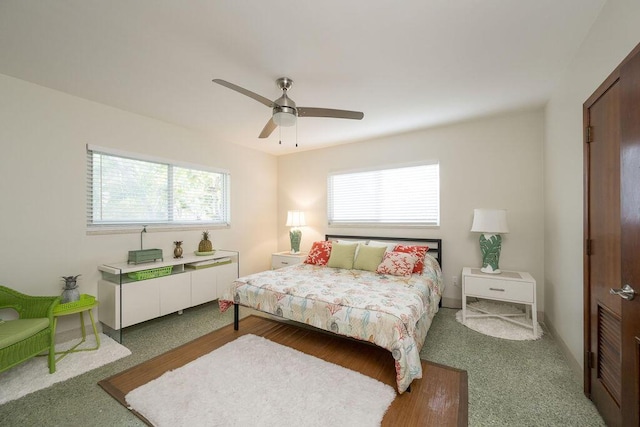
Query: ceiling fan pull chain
(279, 135)
(296, 134)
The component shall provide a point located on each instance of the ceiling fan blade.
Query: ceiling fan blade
(246, 92)
(329, 112)
(268, 128)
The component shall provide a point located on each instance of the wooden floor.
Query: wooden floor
(440, 398)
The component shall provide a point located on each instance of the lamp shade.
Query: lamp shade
(490, 221)
(295, 219)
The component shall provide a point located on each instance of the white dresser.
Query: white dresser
(193, 280)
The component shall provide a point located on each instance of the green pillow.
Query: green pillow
(369, 257)
(342, 255)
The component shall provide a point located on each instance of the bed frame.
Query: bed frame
(435, 250)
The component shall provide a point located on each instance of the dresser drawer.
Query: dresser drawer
(507, 290)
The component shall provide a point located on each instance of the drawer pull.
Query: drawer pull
(284, 262)
(496, 289)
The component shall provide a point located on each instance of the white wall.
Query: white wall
(494, 162)
(613, 35)
(43, 134)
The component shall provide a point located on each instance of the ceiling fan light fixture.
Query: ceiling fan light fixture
(284, 116)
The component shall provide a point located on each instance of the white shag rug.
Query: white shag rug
(497, 327)
(252, 381)
(33, 375)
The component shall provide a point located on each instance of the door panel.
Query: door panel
(630, 221)
(612, 256)
(604, 261)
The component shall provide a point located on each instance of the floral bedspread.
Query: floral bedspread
(390, 311)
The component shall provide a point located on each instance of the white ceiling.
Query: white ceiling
(406, 64)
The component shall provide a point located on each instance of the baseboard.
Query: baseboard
(573, 363)
(451, 302)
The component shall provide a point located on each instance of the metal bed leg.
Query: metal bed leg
(236, 316)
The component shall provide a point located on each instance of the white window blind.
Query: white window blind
(404, 196)
(125, 189)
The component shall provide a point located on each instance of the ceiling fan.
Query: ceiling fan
(285, 112)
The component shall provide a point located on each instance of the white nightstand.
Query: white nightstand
(511, 286)
(285, 259)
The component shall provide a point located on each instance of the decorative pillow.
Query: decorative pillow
(319, 253)
(418, 251)
(397, 264)
(368, 257)
(342, 255)
(351, 242)
(389, 246)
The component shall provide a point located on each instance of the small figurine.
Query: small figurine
(70, 292)
(177, 252)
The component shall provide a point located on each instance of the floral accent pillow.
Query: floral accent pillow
(418, 251)
(397, 264)
(319, 253)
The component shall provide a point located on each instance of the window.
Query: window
(401, 196)
(125, 189)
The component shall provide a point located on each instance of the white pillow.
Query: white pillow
(350, 242)
(390, 246)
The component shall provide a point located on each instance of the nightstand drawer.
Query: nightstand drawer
(509, 290)
(281, 261)
(285, 259)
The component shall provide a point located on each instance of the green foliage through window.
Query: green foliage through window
(123, 190)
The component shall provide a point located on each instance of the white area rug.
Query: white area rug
(33, 375)
(496, 327)
(252, 381)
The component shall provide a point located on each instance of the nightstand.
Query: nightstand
(285, 259)
(510, 286)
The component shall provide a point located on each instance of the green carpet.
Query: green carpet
(511, 383)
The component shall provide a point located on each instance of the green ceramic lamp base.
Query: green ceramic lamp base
(490, 245)
(296, 236)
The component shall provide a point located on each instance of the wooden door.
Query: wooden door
(630, 223)
(612, 244)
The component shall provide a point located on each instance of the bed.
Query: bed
(388, 310)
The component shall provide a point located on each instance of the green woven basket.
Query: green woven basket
(85, 300)
(151, 273)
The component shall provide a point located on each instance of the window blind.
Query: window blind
(124, 190)
(404, 196)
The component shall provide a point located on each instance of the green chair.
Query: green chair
(29, 335)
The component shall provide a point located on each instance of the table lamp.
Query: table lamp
(295, 219)
(491, 223)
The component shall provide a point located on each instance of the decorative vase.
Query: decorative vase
(70, 292)
(177, 252)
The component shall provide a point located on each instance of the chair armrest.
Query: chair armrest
(35, 307)
(27, 306)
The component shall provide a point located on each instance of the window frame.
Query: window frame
(379, 224)
(125, 227)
